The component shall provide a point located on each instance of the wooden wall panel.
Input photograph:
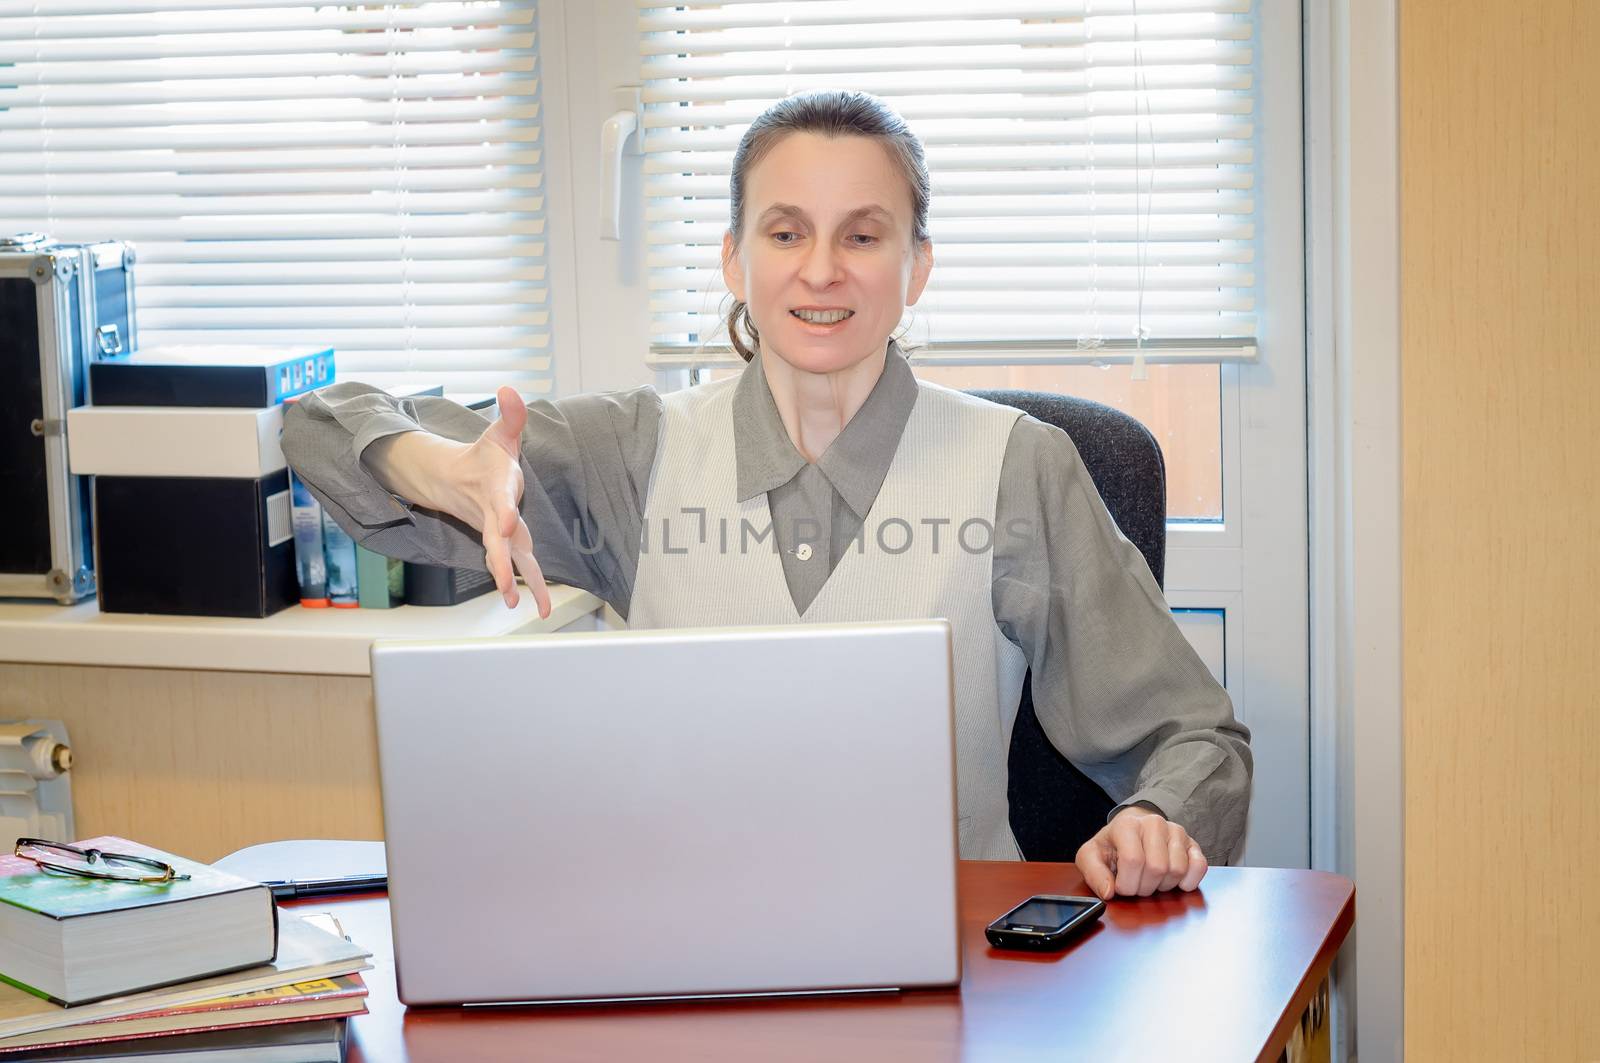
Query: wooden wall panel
(203, 763)
(1500, 306)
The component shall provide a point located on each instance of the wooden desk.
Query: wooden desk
(1221, 974)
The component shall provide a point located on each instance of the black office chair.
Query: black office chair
(1055, 808)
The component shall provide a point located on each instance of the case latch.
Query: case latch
(109, 339)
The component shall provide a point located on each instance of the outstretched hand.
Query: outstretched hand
(489, 484)
(1138, 853)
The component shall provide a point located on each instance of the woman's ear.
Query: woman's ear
(732, 268)
(921, 267)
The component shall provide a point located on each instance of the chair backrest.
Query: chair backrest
(1055, 808)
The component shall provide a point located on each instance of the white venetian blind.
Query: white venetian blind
(1092, 161)
(364, 176)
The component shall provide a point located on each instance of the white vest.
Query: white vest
(904, 564)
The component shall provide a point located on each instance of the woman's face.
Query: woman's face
(827, 236)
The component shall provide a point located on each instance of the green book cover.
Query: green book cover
(380, 581)
(26, 988)
(25, 885)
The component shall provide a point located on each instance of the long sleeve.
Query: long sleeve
(1117, 688)
(585, 461)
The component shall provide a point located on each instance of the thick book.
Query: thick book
(209, 376)
(305, 953)
(321, 998)
(74, 940)
(324, 1041)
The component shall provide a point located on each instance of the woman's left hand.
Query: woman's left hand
(1138, 853)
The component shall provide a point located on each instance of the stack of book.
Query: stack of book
(191, 491)
(203, 968)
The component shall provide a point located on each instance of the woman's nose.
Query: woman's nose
(821, 267)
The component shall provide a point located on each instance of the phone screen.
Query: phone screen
(1044, 914)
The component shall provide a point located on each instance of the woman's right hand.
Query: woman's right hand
(478, 483)
(485, 490)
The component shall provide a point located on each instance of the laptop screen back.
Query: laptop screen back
(677, 812)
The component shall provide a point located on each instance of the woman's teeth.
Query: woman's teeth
(822, 317)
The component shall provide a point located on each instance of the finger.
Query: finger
(497, 557)
(507, 428)
(1197, 868)
(1097, 874)
(1129, 845)
(1177, 857)
(1153, 833)
(532, 574)
(521, 541)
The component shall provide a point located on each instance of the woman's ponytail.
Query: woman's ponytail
(737, 317)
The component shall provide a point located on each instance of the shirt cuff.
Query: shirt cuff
(393, 508)
(1159, 801)
(381, 426)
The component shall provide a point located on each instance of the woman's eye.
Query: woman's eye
(785, 237)
(863, 239)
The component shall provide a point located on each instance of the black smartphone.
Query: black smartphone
(1043, 923)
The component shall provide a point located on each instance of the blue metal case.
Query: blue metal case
(61, 306)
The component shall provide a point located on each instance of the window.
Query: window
(364, 176)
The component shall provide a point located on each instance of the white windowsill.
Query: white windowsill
(296, 640)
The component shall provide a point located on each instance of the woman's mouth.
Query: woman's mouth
(822, 320)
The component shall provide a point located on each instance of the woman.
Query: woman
(921, 500)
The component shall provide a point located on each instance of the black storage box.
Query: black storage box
(211, 375)
(438, 585)
(61, 307)
(195, 546)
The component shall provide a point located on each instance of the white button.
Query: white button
(803, 551)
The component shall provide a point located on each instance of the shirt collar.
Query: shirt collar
(855, 463)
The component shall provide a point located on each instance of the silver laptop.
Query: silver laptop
(678, 813)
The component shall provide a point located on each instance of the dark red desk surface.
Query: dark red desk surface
(1219, 974)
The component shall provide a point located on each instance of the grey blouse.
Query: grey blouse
(1116, 686)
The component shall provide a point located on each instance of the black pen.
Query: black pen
(290, 889)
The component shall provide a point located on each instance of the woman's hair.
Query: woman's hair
(827, 114)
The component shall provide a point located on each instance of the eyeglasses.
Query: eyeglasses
(92, 863)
